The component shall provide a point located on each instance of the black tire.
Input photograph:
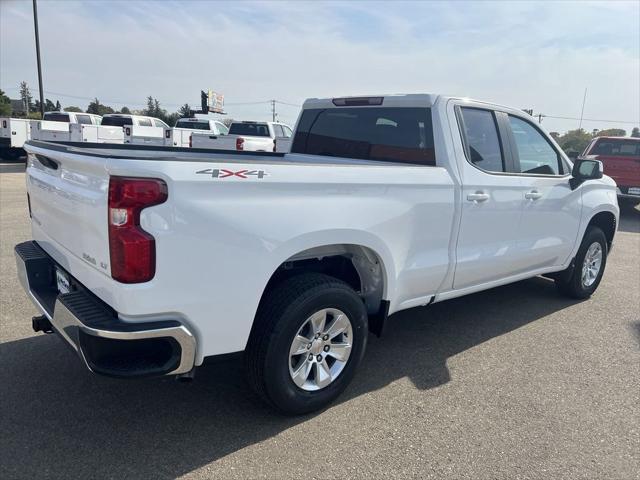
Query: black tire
(280, 315)
(569, 282)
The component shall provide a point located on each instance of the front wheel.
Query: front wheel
(588, 268)
(309, 337)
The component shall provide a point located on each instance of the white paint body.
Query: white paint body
(59, 131)
(181, 137)
(96, 133)
(251, 143)
(16, 130)
(219, 240)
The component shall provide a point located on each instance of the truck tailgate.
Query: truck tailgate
(68, 199)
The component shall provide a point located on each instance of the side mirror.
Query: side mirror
(585, 169)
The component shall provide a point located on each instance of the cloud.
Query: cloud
(533, 55)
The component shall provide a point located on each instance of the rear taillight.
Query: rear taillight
(127, 131)
(132, 250)
(29, 204)
(239, 143)
(190, 141)
(274, 144)
(167, 133)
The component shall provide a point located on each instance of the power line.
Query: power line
(544, 115)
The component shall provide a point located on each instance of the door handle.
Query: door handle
(478, 197)
(533, 195)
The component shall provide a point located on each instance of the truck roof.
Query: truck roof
(395, 100)
(635, 139)
(388, 100)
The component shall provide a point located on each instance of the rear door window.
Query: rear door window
(278, 130)
(83, 119)
(145, 122)
(222, 128)
(287, 131)
(482, 141)
(402, 135)
(250, 129)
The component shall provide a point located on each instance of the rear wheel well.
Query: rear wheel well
(358, 266)
(605, 221)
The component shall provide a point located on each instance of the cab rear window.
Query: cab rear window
(403, 135)
(116, 121)
(56, 117)
(192, 125)
(250, 129)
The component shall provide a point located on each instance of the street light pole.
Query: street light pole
(35, 23)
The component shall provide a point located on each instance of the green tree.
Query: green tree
(97, 108)
(5, 105)
(635, 133)
(612, 132)
(125, 110)
(58, 106)
(26, 96)
(185, 111)
(574, 141)
(73, 109)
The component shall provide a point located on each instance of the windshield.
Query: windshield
(614, 147)
(250, 129)
(116, 121)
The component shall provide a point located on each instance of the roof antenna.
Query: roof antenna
(582, 112)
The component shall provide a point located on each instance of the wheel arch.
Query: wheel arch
(363, 262)
(607, 222)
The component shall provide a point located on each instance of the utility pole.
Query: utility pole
(273, 109)
(540, 118)
(35, 23)
(582, 112)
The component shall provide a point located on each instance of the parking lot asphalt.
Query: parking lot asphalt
(512, 383)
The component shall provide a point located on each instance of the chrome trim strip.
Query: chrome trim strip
(63, 319)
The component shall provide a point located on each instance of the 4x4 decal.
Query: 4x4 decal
(224, 173)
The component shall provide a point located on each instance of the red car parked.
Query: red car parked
(621, 159)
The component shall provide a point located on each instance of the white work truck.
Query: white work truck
(13, 133)
(149, 261)
(186, 127)
(57, 126)
(248, 136)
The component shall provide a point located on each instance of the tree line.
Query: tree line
(31, 107)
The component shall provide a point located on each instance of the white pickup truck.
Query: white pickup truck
(248, 137)
(57, 126)
(186, 127)
(13, 133)
(147, 262)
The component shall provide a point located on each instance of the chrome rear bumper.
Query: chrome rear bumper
(106, 344)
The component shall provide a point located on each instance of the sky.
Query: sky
(539, 55)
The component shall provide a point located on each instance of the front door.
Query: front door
(551, 213)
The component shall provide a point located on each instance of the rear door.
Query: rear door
(551, 209)
(491, 199)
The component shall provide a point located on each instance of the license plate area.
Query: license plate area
(62, 281)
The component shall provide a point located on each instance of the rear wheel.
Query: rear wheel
(309, 336)
(588, 268)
